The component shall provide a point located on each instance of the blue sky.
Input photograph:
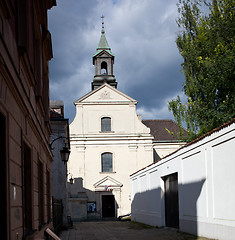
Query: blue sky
(141, 34)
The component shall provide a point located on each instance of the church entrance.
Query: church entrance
(108, 206)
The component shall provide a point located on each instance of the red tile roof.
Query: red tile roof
(158, 128)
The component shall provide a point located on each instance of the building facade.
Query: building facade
(192, 188)
(108, 142)
(25, 172)
(59, 139)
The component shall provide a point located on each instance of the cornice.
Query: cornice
(129, 138)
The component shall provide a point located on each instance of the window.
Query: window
(106, 124)
(107, 162)
(104, 68)
(40, 194)
(48, 196)
(27, 188)
(91, 207)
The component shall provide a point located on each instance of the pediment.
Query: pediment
(107, 183)
(105, 94)
(103, 53)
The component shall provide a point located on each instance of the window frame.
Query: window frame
(27, 168)
(104, 170)
(41, 203)
(103, 126)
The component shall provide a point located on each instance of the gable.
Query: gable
(105, 94)
(106, 184)
(103, 53)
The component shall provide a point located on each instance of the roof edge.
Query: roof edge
(191, 143)
(102, 86)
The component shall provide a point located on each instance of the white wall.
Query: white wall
(206, 176)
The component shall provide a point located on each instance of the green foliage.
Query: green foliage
(207, 44)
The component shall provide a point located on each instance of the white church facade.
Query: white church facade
(108, 142)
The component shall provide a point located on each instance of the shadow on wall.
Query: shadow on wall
(156, 157)
(159, 207)
(84, 204)
(193, 205)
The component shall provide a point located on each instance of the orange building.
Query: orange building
(25, 155)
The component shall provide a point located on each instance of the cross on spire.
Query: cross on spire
(102, 20)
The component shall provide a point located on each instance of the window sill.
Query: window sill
(107, 172)
(106, 131)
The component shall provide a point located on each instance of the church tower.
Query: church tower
(103, 61)
(108, 142)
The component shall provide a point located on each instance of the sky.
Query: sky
(141, 35)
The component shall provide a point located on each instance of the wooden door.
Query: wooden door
(108, 206)
(171, 201)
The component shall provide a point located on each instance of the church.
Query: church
(109, 141)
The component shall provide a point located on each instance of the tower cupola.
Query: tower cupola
(103, 61)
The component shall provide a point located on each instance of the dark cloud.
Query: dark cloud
(142, 36)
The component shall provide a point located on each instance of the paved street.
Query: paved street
(115, 230)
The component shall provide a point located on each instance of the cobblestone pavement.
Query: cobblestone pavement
(116, 230)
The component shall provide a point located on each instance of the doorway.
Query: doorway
(108, 206)
(171, 200)
(3, 179)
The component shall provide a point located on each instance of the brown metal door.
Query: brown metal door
(108, 206)
(171, 201)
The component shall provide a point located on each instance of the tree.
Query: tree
(207, 45)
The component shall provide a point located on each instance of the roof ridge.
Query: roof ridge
(158, 120)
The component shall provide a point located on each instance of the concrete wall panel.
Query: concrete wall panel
(206, 186)
(223, 179)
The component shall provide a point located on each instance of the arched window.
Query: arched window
(107, 162)
(104, 69)
(105, 124)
